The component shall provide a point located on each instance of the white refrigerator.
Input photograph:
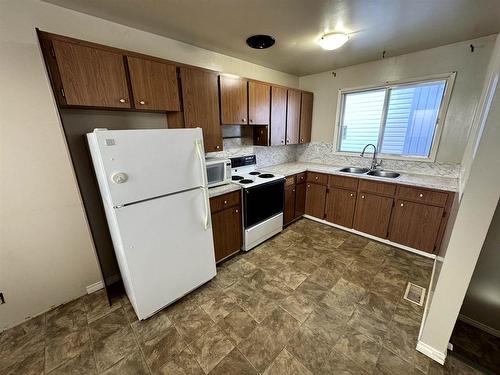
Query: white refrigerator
(154, 188)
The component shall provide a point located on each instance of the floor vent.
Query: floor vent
(415, 294)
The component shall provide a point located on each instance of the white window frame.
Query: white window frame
(450, 81)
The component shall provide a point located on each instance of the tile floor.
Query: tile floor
(312, 300)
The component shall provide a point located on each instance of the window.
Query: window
(402, 120)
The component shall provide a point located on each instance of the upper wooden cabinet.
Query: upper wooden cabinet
(278, 115)
(259, 103)
(154, 85)
(91, 77)
(293, 117)
(201, 105)
(306, 107)
(233, 100)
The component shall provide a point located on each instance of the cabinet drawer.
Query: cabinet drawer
(423, 195)
(290, 180)
(317, 178)
(377, 187)
(225, 201)
(300, 177)
(343, 182)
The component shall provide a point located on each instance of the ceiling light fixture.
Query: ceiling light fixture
(260, 41)
(333, 40)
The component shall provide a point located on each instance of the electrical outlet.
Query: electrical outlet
(2, 300)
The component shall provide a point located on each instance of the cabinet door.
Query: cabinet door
(289, 211)
(315, 200)
(293, 117)
(227, 231)
(373, 213)
(278, 115)
(233, 101)
(306, 108)
(259, 103)
(300, 199)
(201, 105)
(154, 85)
(416, 225)
(340, 205)
(91, 77)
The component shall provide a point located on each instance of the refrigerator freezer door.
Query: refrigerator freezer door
(143, 164)
(166, 247)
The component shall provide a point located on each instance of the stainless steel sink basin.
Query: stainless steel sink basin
(354, 170)
(386, 174)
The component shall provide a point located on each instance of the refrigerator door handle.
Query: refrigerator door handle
(200, 153)
(207, 211)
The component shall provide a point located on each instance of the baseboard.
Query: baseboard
(479, 325)
(95, 287)
(394, 244)
(430, 352)
(100, 284)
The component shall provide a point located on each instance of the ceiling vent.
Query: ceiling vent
(260, 41)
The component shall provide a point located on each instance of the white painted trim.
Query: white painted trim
(430, 352)
(95, 287)
(479, 325)
(427, 301)
(450, 83)
(407, 248)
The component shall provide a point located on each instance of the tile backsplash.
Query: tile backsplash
(322, 153)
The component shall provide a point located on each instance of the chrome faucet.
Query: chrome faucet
(375, 163)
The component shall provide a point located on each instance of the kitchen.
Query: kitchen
(295, 206)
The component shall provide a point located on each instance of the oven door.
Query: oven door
(263, 201)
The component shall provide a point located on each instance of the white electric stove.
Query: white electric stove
(263, 197)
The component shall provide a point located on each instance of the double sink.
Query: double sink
(374, 172)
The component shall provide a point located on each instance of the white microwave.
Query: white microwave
(218, 171)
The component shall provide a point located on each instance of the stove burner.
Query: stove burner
(246, 181)
(266, 175)
(254, 173)
(236, 178)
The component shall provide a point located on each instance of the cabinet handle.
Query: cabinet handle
(308, 185)
(420, 195)
(282, 141)
(142, 102)
(302, 139)
(402, 204)
(352, 195)
(317, 177)
(250, 120)
(225, 202)
(293, 190)
(217, 147)
(236, 211)
(122, 100)
(243, 119)
(362, 197)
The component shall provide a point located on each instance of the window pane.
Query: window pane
(361, 118)
(411, 119)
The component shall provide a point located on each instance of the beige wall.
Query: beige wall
(46, 254)
(470, 67)
(480, 197)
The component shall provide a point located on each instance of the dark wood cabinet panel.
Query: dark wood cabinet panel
(233, 100)
(437, 198)
(416, 225)
(306, 108)
(278, 115)
(315, 200)
(259, 103)
(90, 76)
(343, 182)
(289, 210)
(222, 202)
(227, 232)
(317, 178)
(300, 198)
(201, 105)
(154, 85)
(340, 206)
(376, 187)
(293, 117)
(373, 213)
(300, 177)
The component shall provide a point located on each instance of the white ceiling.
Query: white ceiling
(397, 26)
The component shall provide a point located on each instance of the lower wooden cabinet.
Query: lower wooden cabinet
(416, 225)
(289, 209)
(226, 224)
(295, 198)
(315, 200)
(340, 206)
(300, 198)
(373, 214)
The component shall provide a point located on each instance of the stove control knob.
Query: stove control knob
(119, 178)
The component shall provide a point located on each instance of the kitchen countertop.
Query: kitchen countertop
(222, 189)
(412, 179)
